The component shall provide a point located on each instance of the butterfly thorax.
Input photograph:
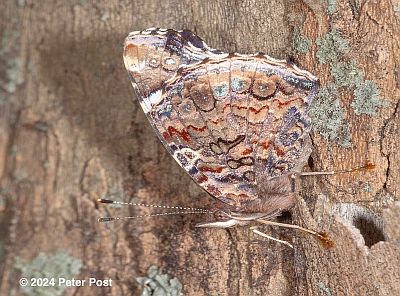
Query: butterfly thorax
(274, 196)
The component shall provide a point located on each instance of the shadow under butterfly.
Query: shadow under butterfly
(237, 124)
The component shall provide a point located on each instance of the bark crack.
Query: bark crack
(382, 138)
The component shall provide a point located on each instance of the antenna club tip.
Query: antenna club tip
(370, 166)
(102, 200)
(106, 219)
(325, 240)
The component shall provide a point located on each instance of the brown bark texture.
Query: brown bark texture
(72, 131)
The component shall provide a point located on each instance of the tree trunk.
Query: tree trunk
(71, 133)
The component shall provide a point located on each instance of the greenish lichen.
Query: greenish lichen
(14, 75)
(323, 289)
(346, 74)
(397, 10)
(105, 16)
(327, 113)
(159, 284)
(300, 43)
(8, 38)
(59, 264)
(332, 6)
(367, 187)
(331, 47)
(11, 74)
(328, 116)
(367, 98)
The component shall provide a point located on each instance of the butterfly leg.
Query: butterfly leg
(367, 166)
(254, 229)
(322, 237)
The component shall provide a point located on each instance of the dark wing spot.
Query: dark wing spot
(202, 97)
(173, 43)
(193, 171)
(182, 159)
(249, 176)
(264, 88)
(234, 164)
(246, 160)
(216, 149)
(188, 36)
(226, 145)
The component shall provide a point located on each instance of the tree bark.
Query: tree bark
(71, 133)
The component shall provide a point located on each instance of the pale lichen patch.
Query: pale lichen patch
(329, 117)
(59, 264)
(397, 9)
(347, 74)
(158, 283)
(332, 6)
(367, 99)
(300, 43)
(331, 47)
(11, 74)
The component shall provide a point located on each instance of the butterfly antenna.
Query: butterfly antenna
(367, 166)
(322, 237)
(108, 201)
(180, 210)
(108, 219)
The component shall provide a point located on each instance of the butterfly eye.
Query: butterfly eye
(221, 215)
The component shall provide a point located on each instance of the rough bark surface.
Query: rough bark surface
(70, 133)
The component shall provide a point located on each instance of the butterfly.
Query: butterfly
(237, 124)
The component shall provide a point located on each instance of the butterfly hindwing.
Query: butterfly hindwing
(228, 120)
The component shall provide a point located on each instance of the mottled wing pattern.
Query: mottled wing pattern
(153, 56)
(231, 121)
